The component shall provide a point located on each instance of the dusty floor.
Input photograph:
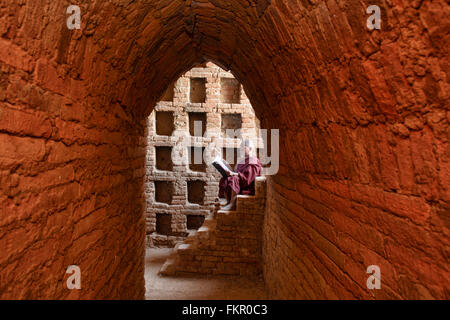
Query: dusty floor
(196, 288)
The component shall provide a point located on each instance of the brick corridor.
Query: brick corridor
(201, 288)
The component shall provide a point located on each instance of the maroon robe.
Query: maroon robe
(244, 182)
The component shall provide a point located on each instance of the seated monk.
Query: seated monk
(243, 180)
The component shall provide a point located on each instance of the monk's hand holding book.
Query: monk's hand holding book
(223, 167)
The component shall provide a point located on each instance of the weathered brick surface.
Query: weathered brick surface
(365, 163)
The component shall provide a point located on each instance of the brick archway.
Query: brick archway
(364, 142)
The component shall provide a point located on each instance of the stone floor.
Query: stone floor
(198, 287)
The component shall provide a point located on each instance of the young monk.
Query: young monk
(242, 181)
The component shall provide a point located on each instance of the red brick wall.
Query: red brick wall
(71, 180)
(363, 115)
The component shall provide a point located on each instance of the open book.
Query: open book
(222, 166)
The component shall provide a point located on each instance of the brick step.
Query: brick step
(174, 252)
(244, 202)
(202, 230)
(246, 198)
(205, 236)
(183, 248)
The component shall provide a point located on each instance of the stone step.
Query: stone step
(227, 212)
(209, 222)
(260, 186)
(202, 229)
(245, 200)
(191, 238)
(243, 197)
(184, 248)
(203, 234)
(260, 180)
(202, 242)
